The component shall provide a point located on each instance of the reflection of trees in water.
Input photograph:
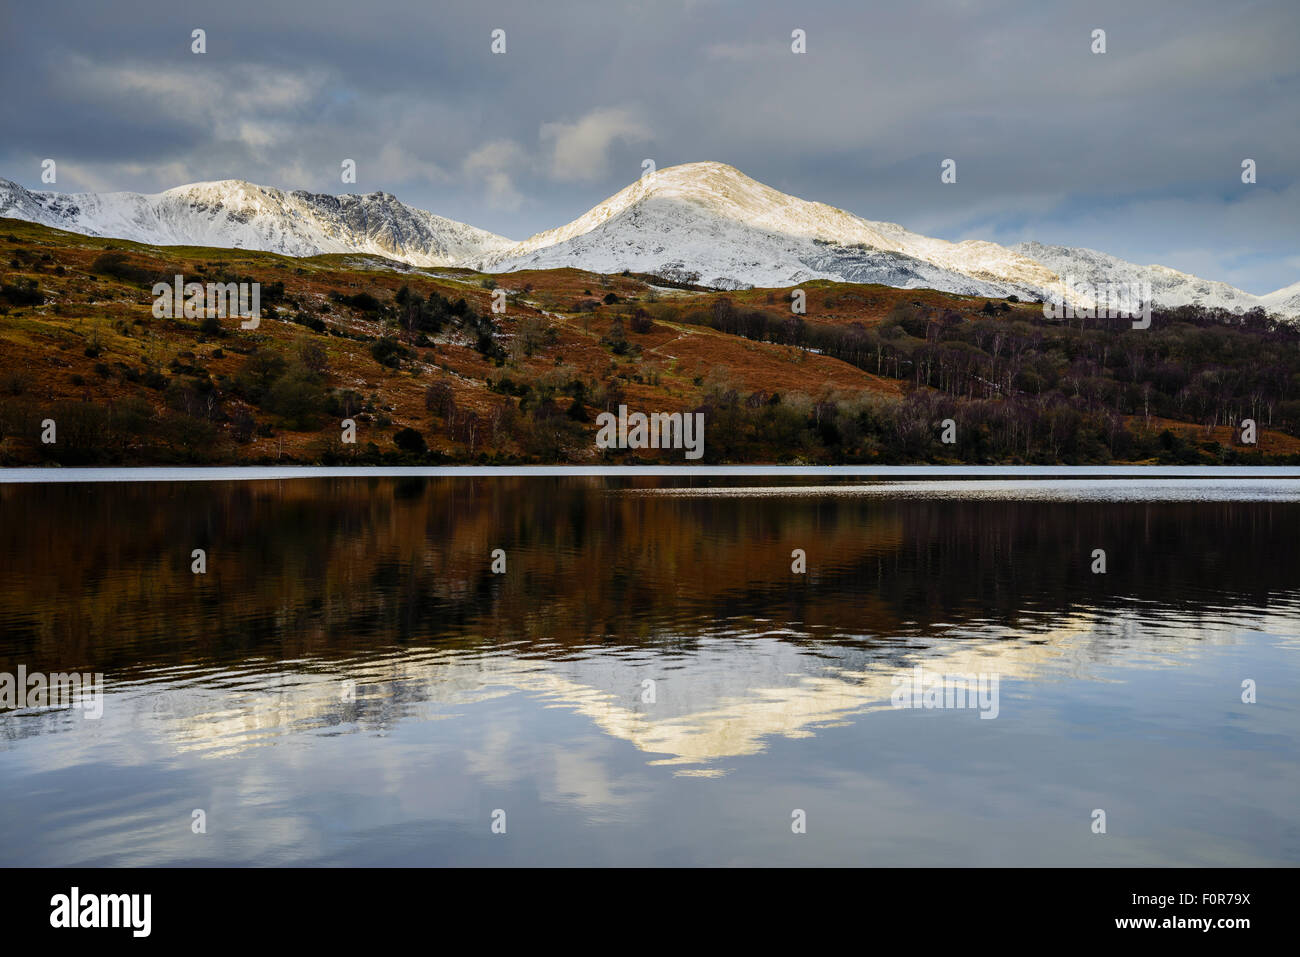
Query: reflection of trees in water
(100, 575)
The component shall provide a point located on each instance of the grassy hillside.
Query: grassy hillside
(430, 374)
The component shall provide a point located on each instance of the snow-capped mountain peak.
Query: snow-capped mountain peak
(724, 192)
(238, 214)
(700, 222)
(712, 221)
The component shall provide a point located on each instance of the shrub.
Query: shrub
(641, 321)
(192, 438)
(114, 263)
(313, 358)
(297, 398)
(257, 373)
(241, 426)
(344, 403)
(23, 293)
(389, 352)
(440, 400)
(362, 301)
(410, 441)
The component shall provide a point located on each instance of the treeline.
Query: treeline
(1206, 366)
(125, 431)
(1047, 430)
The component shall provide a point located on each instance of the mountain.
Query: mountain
(710, 222)
(1169, 287)
(1285, 301)
(235, 214)
(699, 222)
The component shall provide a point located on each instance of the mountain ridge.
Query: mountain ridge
(704, 222)
(238, 214)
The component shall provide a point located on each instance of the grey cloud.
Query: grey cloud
(1136, 151)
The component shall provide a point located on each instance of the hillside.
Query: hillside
(867, 375)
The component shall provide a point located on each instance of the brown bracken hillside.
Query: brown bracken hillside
(429, 373)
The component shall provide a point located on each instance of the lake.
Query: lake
(653, 671)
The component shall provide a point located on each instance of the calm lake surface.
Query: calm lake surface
(649, 682)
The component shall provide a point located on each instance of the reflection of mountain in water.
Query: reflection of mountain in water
(724, 699)
(387, 582)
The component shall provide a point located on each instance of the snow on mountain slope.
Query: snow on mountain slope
(699, 222)
(724, 192)
(678, 240)
(1285, 301)
(712, 220)
(1169, 287)
(232, 213)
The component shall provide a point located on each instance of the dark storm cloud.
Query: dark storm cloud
(1136, 151)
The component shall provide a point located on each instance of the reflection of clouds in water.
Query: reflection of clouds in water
(582, 777)
(528, 695)
(499, 757)
(471, 732)
(735, 695)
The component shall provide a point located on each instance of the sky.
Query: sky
(1136, 151)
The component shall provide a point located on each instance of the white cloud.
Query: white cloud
(186, 91)
(494, 164)
(580, 150)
